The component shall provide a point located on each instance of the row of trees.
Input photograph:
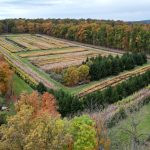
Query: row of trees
(113, 94)
(106, 66)
(120, 35)
(38, 125)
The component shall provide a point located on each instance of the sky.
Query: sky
(127, 10)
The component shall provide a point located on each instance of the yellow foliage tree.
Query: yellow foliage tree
(71, 77)
(83, 72)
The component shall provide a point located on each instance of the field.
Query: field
(20, 86)
(34, 56)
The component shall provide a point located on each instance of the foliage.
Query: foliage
(106, 66)
(71, 76)
(24, 132)
(3, 116)
(83, 72)
(74, 75)
(67, 103)
(45, 103)
(6, 75)
(41, 88)
(36, 126)
(83, 132)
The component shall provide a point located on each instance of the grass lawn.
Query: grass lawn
(119, 136)
(20, 86)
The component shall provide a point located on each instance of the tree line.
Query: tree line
(101, 67)
(113, 34)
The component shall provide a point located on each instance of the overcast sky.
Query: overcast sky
(98, 9)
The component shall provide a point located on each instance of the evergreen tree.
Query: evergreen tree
(41, 88)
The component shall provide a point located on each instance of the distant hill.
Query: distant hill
(141, 22)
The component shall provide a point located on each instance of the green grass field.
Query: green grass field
(120, 136)
(20, 86)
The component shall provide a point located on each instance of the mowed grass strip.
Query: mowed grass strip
(20, 86)
(52, 52)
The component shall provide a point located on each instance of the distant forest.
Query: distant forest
(133, 37)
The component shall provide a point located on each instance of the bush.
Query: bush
(41, 88)
(71, 76)
(3, 116)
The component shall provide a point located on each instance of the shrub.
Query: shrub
(3, 116)
(41, 88)
(71, 76)
(83, 72)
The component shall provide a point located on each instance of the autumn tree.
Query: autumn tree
(6, 75)
(27, 131)
(83, 72)
(45, 103)
(71, 76)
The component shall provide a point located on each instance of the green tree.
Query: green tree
(41, 88)
(83, 127)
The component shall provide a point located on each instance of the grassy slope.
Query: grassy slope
(20, 86)
(143, 117)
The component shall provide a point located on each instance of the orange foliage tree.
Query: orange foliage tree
(41, 104)
(6, 75)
